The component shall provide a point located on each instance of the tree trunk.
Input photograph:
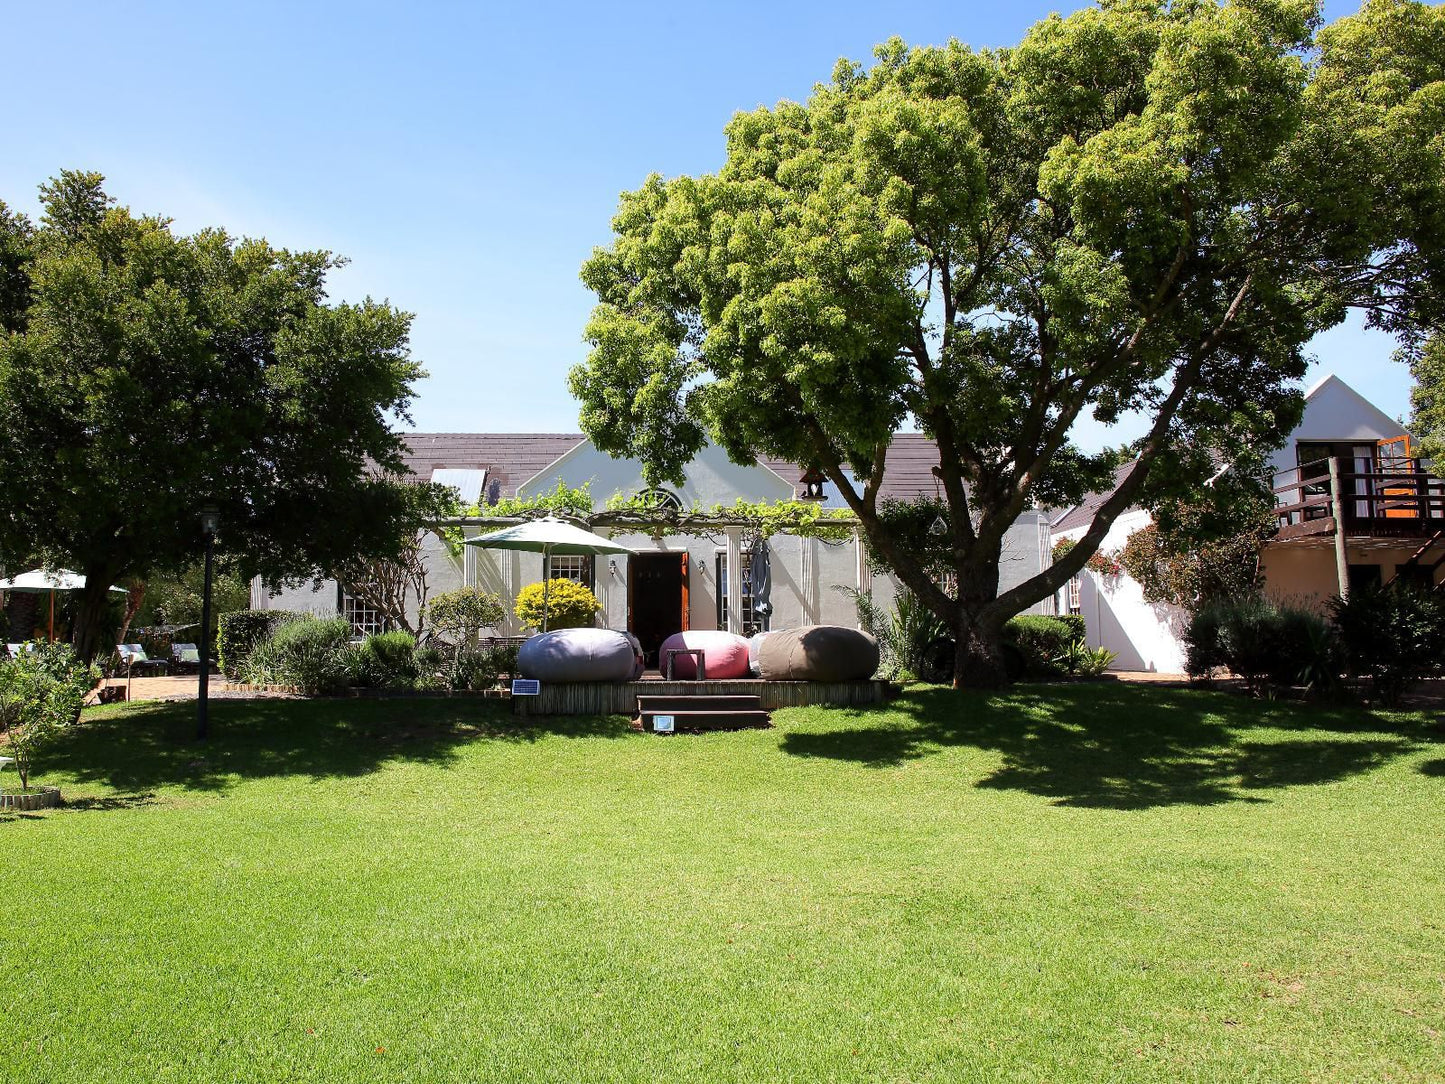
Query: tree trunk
(133, 600)
(92, 629)
(978, 655)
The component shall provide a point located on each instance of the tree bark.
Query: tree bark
(978, 656)
(92, 627)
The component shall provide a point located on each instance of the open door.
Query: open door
(657, 599)
(1401, 486)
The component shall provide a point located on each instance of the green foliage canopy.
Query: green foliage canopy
(1141, 207)
(144, 374)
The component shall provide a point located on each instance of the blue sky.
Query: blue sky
(465, 157)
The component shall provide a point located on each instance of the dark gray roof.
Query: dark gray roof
(1082, 514)
(509, 459)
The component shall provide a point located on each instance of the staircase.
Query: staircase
(1433, 545)
(697, 713)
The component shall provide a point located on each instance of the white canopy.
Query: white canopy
(547, 535)
(40, 580)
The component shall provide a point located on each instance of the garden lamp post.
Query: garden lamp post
(210, 520)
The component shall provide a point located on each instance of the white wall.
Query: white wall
(1145, 635)
(806, 572)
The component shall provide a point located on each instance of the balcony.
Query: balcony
(1395, 498)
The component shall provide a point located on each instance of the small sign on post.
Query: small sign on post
(526, 687)
(662, 724)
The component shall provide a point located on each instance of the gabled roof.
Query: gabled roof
(512, 459)
(1083, 513)
(508, 458)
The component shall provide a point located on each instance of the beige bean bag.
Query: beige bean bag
(818, 653)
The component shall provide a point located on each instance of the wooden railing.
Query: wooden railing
(1395, 497)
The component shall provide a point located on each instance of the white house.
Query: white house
(671, 582)
(1389, 522)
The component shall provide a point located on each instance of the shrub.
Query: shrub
(1267, 644)
(313, 654)
(41, 693)
(387, 661)
(240, 631)
(1081, 660)
(569, 605)
(1393, 635)
(1042, 639)
(910, 639)
(462, 614)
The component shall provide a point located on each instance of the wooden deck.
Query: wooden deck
(620, 698)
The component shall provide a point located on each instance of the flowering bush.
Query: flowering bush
(569, 605)
(1105, 564)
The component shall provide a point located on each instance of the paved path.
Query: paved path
(183, 687)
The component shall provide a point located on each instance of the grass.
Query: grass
(1070, 883)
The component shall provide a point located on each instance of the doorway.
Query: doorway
(656, 599)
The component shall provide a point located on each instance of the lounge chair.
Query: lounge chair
(186, 658)
(136, 661)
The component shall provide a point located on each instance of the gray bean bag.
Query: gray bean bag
(818, 653)
(755, 645)
(568, 655)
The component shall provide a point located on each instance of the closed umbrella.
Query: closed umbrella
(547, 536)
(40, 580)
(761, 579)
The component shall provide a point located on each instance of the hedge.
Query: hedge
(239, 632)
(1042, 638)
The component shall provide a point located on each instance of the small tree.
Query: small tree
(394, 584)
(459, 616)
(568, 605)
(41, 692)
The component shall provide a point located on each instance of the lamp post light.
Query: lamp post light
(210, 520)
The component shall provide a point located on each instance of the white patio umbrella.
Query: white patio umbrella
(547, 536)
(40, 580)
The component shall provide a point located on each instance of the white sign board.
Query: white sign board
(526, 687)
(662, 724)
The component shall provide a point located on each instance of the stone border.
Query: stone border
(43, 798)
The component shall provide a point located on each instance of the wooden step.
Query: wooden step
(685, 702)
(697, 713)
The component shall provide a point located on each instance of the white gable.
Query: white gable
(1334, 411)
(712, 478)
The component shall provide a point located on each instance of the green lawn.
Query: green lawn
(1071, 883)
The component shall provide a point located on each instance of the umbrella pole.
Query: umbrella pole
(52, 617)
(546, 585)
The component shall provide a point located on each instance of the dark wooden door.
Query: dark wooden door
(657, 598)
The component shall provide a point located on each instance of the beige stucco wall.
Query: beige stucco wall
(1303, 573)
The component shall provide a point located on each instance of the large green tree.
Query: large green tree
(1427, 402)
(145, 374)
(1144, 207)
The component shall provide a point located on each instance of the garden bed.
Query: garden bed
(34, 798)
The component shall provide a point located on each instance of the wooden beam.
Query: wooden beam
(1342, 557)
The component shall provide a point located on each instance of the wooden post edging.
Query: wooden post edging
(1342, 557)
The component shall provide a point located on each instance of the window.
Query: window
(661, 499)
(576, 568)
(365, 619)
(752, 623)
(1074, 595)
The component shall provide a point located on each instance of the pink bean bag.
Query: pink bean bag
(724, 655)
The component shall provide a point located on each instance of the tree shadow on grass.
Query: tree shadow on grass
(1120, 747)
(143, 746)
